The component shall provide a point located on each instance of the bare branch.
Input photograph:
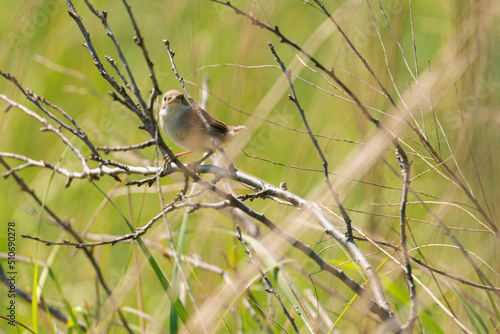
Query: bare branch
(345, 216)
(54, 311)
(139, 40)
(126, 148)
(103, 16)
(405, 172)
(67, 227)
(51, 128)
(270, 288)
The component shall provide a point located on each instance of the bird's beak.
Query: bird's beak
(176, 99)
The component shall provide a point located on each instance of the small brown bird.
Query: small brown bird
(180, 121)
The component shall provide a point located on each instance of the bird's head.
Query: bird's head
(173, 100)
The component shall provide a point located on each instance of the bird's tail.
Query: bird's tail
(234, 129)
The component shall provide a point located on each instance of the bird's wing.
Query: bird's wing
(219, 127)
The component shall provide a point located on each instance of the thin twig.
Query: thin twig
(446, 230)
(215, 141)
(427, 290)
(430, 268)
(405, 172)
(270, 288)
(139, 40)
(66, 226)
(107, 149)
(97, 62)
(176, 252)
(51, 128)
(54, 311)
(345, 216)
(103, 16)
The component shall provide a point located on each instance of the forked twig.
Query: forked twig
(345, 216)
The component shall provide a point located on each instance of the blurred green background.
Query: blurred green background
(457, 45)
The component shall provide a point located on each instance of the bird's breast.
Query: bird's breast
(180, 128)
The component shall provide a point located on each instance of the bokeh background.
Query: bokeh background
(457, 55)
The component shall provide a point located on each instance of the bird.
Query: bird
(182, 124)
